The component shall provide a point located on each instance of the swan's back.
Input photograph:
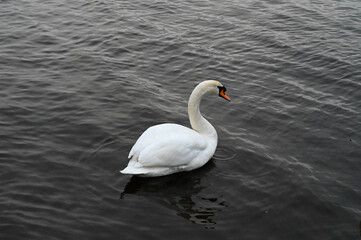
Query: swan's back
(155, 133)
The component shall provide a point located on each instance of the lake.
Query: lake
(81, 80)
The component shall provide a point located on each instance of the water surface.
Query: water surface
(81, 80)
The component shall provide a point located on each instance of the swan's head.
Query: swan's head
(217, 88)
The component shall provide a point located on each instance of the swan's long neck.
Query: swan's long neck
(198, 122)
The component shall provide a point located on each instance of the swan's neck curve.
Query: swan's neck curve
(198, 122)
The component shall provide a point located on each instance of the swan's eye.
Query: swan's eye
(222, 88)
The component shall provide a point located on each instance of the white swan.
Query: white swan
(168, 148)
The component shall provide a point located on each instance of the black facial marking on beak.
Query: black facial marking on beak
(221, 88)
(222, 92)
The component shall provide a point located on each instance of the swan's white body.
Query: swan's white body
(168, 148)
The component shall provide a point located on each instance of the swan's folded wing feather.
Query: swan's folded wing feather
(173, 151)
(157, 133)
(144, 140)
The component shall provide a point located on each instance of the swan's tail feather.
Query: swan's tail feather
(134, 167)
(134, 171)
(148, 172)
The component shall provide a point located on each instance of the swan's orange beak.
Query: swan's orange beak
(222, 93)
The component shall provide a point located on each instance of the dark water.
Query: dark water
(81, 80)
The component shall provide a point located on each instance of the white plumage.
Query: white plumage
(168, 148)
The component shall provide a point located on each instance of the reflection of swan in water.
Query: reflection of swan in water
(182, 192)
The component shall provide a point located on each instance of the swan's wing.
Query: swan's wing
(157, 133)
(177, 150)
